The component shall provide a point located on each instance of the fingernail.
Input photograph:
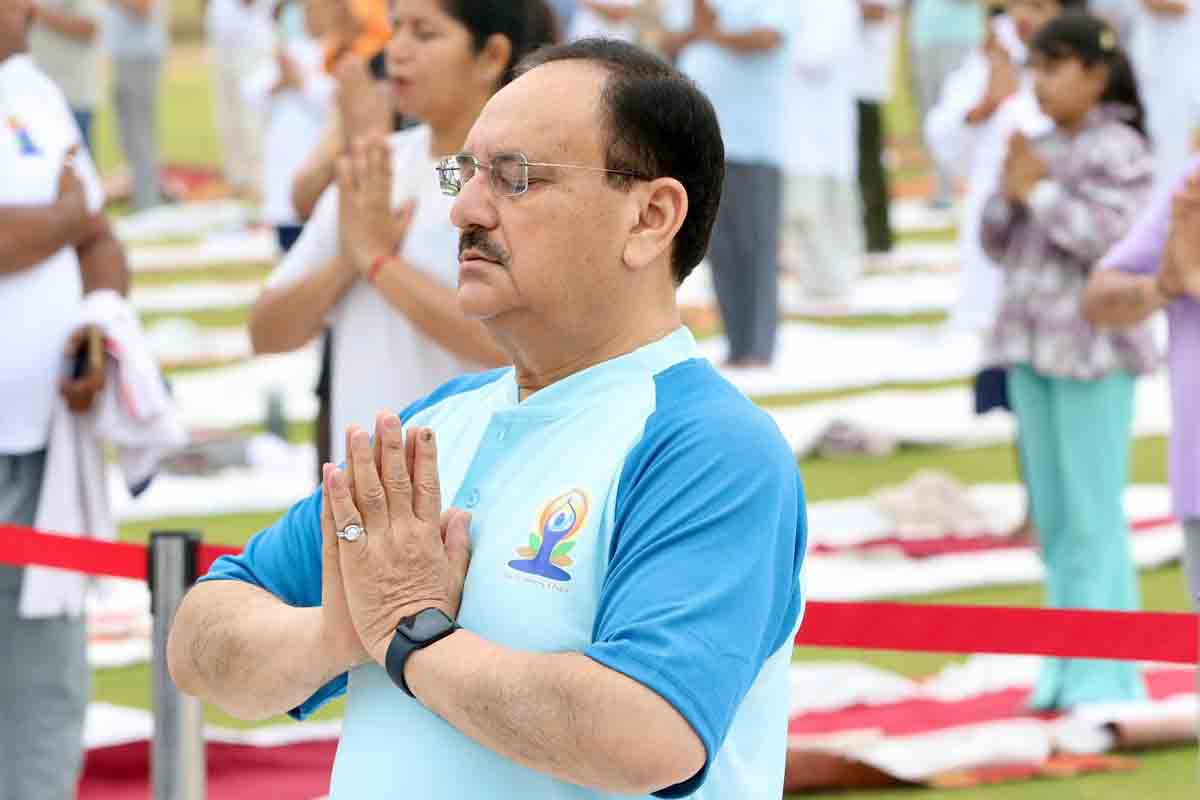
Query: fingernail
(427, 435)
(337, 479)
(361, 439)
(391, 422)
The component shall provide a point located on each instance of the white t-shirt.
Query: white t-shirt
(822, 123)
(587, 23)
(40, 305)
(294, 119)
(381, 361)
(878, 50)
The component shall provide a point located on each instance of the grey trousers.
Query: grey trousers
(932, 64)
(744, 254)
(1191, 559)
(44, 676)
(136, 83)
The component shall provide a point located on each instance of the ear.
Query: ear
(662, 207)
(493, 59)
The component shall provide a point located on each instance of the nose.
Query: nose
(475, 204)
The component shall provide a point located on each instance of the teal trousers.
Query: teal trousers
(1075, 442)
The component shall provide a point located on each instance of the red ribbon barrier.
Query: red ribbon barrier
(23, 546)
(1121, 635)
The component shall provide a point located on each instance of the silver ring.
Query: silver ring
(351, 533)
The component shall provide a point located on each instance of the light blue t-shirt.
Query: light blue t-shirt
(946, 22)
(748, 90)
(642, 512)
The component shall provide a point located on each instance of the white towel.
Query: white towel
(133, 414)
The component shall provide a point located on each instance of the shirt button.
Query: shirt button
(502, 434)
(473, 498)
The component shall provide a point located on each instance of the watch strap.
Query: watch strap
(403, 646)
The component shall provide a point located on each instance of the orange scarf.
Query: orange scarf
(372, 15)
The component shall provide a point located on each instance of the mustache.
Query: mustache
(476, 239)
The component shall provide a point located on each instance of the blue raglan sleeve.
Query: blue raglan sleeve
(704, 575)
(285, 560)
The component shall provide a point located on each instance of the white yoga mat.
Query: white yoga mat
(248, 248)
(183, 220)
(887, 294)
(217, 295)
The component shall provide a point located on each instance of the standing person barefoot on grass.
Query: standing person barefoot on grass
(1065, 200)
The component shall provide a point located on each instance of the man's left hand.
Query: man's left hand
(411, 557)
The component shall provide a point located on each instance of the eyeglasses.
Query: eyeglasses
(509, 172)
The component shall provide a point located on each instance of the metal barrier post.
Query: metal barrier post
(177, 764)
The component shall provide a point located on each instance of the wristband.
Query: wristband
(376, 268)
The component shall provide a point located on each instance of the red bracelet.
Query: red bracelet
(376, 267)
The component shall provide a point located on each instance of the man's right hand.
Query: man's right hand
(340, 639)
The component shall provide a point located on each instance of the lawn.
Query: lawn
(187, 137)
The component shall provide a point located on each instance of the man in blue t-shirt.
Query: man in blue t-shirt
(608, 605)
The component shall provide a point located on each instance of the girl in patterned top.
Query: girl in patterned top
(1065, 199)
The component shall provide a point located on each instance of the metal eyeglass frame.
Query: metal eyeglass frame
(454, 164)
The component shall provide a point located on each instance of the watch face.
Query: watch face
(426, 625)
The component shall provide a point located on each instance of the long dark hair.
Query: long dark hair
(527, 24)
(1078, 34)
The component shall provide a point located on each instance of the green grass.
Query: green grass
(214, 274)
(1161, 775)
(206, 317)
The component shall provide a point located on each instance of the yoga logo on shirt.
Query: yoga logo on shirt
(25, 143)
(548, 553)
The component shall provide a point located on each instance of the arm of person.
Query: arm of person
(951, 136)
(250, 636)
(1088, 217)
(294, 306)
(1126, 290)
(671, 658)
(31, 234)
(80, 27)
(612, 12)
(318, 171)
(141, 8)
(758, 40)
(434, 309)
(102, 262)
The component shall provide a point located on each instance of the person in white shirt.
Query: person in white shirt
(55, 245)
(377, 260)
(65, 44)
(878, 37)
(1165, 50)
(822, 230)
(294, 95)
(239, 40)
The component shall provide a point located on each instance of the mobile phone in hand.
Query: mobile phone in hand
(88, 356)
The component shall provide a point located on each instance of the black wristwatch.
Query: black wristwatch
(412, 634)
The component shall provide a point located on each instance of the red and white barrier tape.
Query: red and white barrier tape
(1120, 635)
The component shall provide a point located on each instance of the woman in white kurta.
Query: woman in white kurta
(398, 331)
